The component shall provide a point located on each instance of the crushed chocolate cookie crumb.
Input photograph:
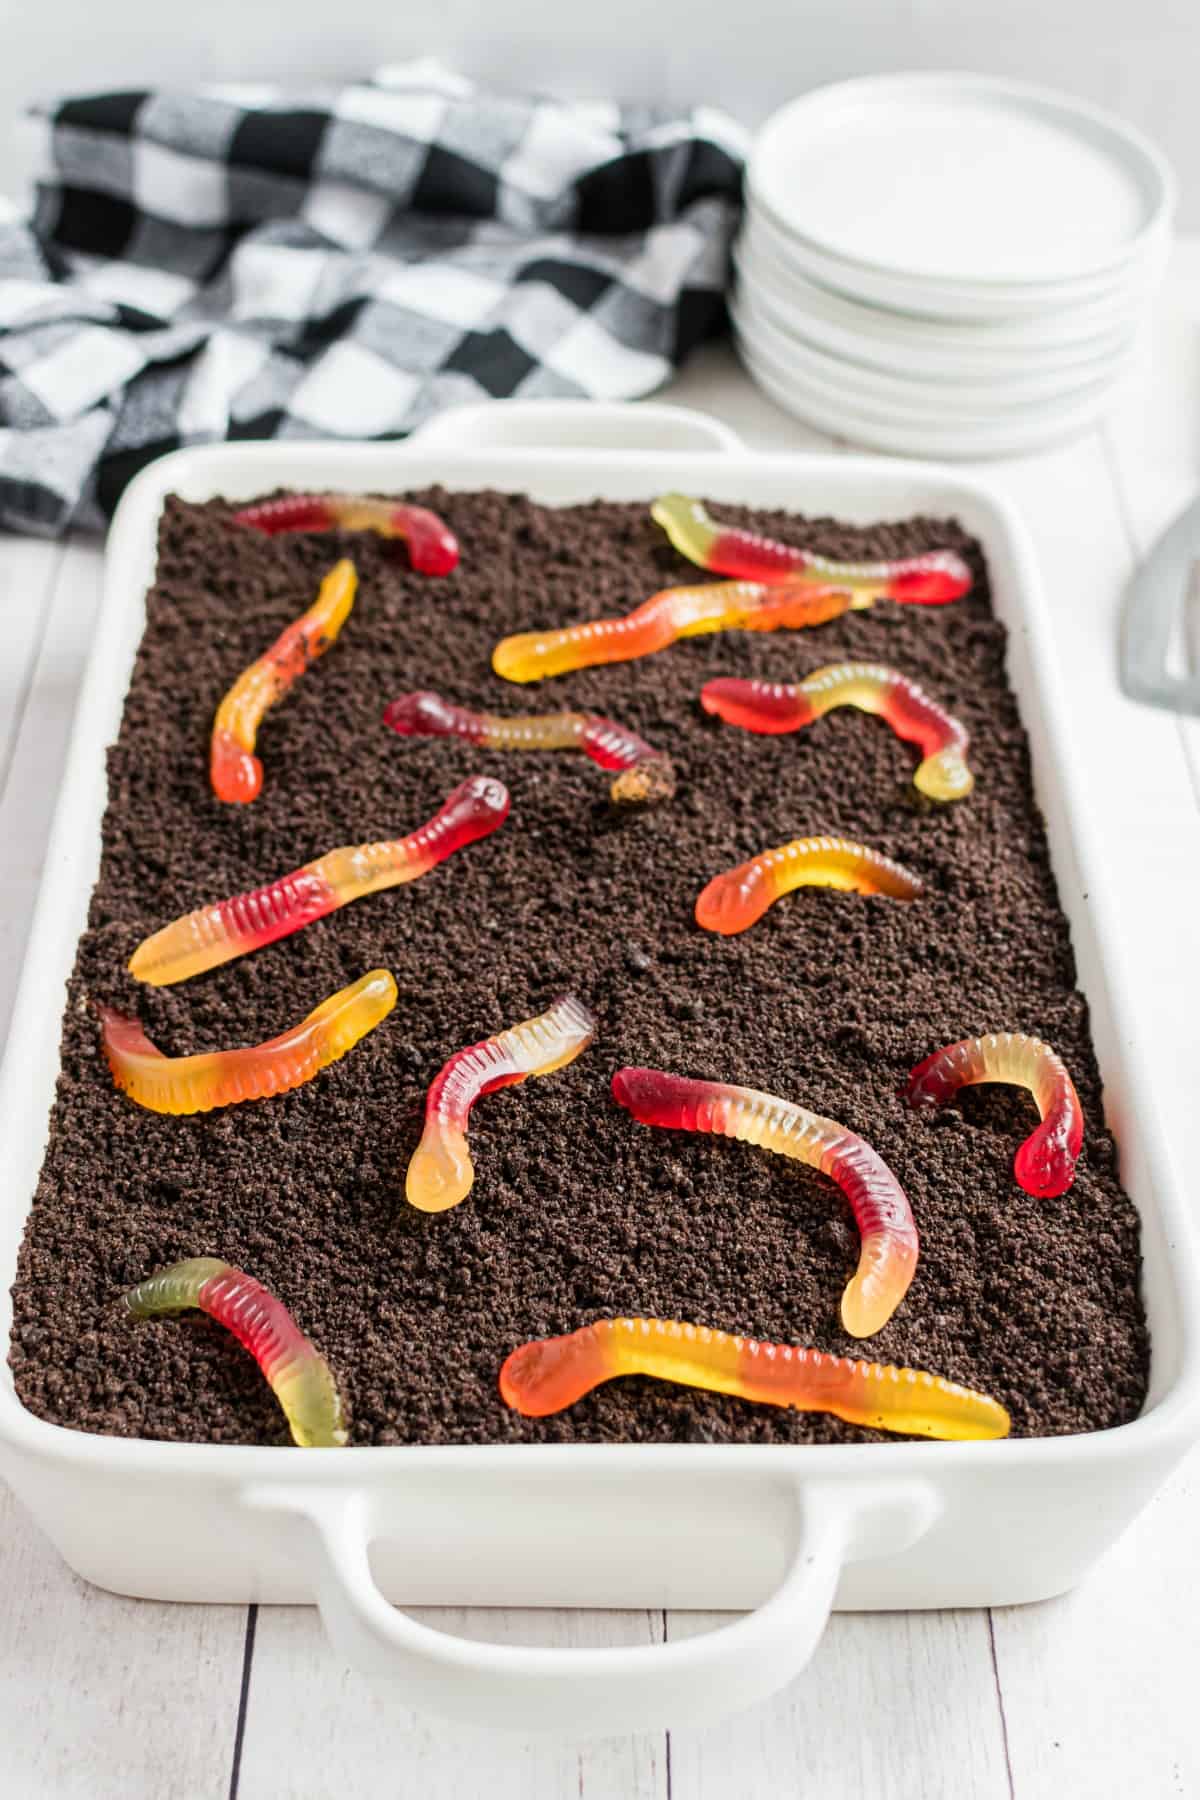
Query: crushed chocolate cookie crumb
(576, 1211)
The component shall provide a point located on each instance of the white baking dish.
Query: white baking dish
(785, 1531)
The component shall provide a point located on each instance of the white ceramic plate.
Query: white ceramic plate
(913, 390)
(927, 297)
(901, 435)
(902, 397)
(961, 179)
(886, 408)
(938, 347)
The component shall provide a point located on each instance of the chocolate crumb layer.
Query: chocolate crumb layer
(577, 1212)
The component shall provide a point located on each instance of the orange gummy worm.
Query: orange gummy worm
(441, 1172)
(888, 1257)
(644, 774)
(299, 1376)
(1045, 1163)
(667, 616)
(192, 1084)
(216, 934)
(739, 897)
(553, 1373)
(776, 707)
(930, 579)
(235, 771)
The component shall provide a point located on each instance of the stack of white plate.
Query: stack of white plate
(948, 265)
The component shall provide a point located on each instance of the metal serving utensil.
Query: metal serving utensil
(1165, 586)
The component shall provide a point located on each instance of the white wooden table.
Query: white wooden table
(1091, 1695)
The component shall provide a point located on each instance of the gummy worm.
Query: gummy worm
(739, 897)
(775, 707)
(667, 616)
(441, 1172)
(216, 934)
(644, 775)
(553, 1373)
(192, 1084)
(235, 771)
(298, 1375)
(1045, 1163)
(889, 1236)
(928, 580)
(432, 546)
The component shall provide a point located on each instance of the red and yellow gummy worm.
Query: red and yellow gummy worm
(298, 1375)
(777, 707)
(235, 770)
(192, 1084)
(738, 898)
(216, 934)
(664, 618)
(441, 1172)
(931, 579)
(432, 546)
(553, 1373)
(644, 773)
(888, 1257)
(1045, 1163)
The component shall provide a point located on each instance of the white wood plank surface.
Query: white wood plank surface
(318, 1732)
(100, 1698)
(1095, 1684)
(1098, 1686)
(1154, 442)
(1089, 1695)
(29, 568)
(109, 1699)
(40, 709)
(895, 1706)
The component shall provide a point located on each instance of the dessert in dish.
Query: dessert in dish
(574, 1218)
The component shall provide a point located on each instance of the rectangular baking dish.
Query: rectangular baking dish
(783, 1531)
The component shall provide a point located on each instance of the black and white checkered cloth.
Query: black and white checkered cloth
(246, 263)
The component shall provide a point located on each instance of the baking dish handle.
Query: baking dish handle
(591, 425)
(598, 1692)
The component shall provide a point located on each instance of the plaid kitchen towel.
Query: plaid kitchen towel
(248, 263)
